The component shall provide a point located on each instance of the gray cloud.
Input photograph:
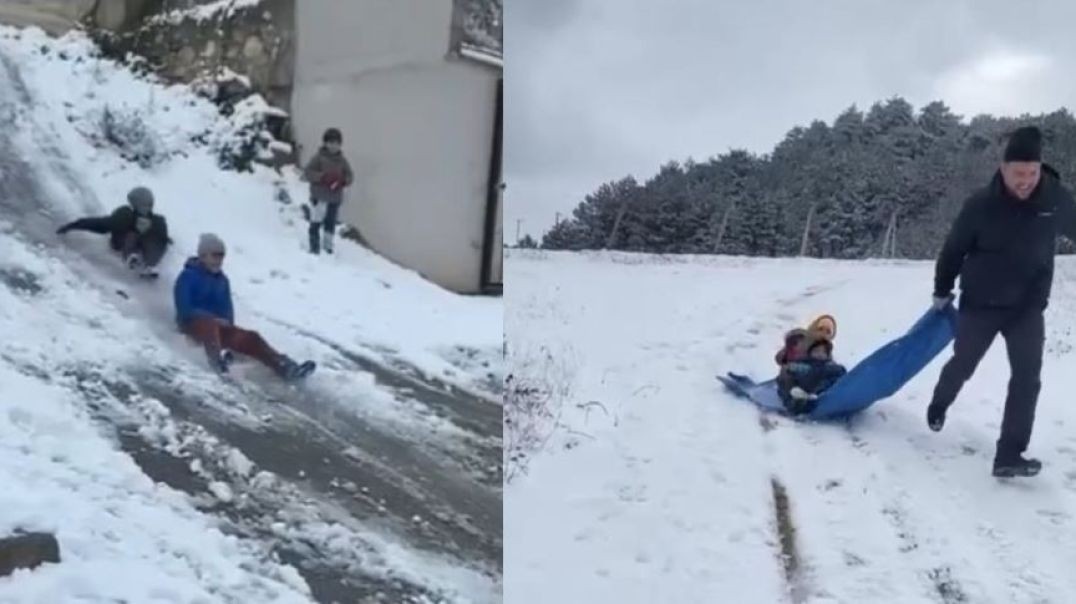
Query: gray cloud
(605, 88)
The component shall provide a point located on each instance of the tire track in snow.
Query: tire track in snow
(855, 542)
(799, 575)
(973, 513)
(859, 513)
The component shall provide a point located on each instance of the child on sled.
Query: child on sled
(807, 365)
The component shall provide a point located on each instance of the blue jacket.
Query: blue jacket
(200, 292)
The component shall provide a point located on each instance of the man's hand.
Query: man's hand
(940, 302)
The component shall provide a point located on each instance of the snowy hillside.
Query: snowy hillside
(659, 487)
(379, 477)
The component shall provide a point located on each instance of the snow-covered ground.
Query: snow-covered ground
(658, 486)
(68, 338)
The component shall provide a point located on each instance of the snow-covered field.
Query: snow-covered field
(658, 486)
(66, 332)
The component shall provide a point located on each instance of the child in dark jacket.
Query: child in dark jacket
(329, 173)
(801, 381)
(134, 230)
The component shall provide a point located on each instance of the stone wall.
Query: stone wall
(53, 16)
(254, 41)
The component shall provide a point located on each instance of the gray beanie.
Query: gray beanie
(209, 243)
(141, 199)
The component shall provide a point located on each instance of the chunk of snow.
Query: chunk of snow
(221, 491)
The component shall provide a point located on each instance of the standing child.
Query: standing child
(328, 173)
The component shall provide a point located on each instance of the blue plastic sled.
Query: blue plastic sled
(876, 377)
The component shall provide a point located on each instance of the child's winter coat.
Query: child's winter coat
(813, 373)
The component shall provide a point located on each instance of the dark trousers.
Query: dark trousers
(1024, 332)
(152, 249)
(328, 224)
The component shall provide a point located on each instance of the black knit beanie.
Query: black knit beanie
(1025, 144)
(824, 343)
(332, 135)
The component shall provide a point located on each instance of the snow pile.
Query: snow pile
(661, 487)
(210, 10)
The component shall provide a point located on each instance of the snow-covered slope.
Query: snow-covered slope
(391, 311)
(80, 364)
(660, 487)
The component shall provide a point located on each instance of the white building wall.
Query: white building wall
(417, 128)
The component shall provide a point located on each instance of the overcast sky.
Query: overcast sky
(600, 89)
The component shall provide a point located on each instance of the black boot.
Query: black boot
(315, 237)
(288, 370)
(935, 417)
(1018, 466)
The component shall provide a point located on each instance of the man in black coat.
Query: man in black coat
(134, 230)
(1002, 246)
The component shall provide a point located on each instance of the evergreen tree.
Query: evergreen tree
(887, 182)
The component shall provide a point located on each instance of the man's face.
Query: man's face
(213, 261)
(332, 146)
(1021, 177)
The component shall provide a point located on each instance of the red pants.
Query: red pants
(215, 336)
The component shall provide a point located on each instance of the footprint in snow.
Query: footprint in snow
(1055, 517)
(632, 494)
(851, 559)
(584, 535)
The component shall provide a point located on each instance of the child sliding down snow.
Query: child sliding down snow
(801, 381)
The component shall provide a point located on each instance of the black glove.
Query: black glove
(63, 229)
